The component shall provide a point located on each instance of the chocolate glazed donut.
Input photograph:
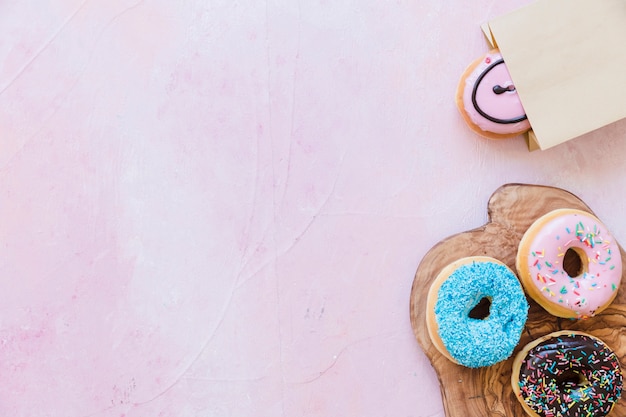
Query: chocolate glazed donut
(568, 374)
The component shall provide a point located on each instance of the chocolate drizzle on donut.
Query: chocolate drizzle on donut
(497, 90)
(570, 375)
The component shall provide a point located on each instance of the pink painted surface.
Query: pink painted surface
(216, 208)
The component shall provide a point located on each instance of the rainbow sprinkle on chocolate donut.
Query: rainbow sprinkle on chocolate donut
(570, 375)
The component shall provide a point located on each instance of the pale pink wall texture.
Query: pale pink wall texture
(216, 208)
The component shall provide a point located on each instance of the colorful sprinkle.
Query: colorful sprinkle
(547, 394)
(546, 266)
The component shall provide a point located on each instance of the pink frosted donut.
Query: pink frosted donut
(488, 100)
(570, 264)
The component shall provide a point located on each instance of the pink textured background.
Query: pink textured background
(216, 208)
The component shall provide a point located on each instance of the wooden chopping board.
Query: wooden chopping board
(487, 391)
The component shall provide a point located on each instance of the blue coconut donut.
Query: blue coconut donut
(476, 311)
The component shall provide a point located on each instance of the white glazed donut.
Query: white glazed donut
(570, 264)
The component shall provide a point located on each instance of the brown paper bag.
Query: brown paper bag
(567, 59)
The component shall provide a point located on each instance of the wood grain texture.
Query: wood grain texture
(487, 391)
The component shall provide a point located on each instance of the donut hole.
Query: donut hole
(573, 262)
(571, 379)
(481, 310)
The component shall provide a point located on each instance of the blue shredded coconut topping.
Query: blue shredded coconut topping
(481, 342)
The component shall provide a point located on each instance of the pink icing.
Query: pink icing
(501, 106)
(586, 293)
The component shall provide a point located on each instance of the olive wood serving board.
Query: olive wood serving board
(487, 391)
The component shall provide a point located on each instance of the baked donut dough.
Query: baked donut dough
(476, 310)
(570, 264)
(488, 99)
(567, 374)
